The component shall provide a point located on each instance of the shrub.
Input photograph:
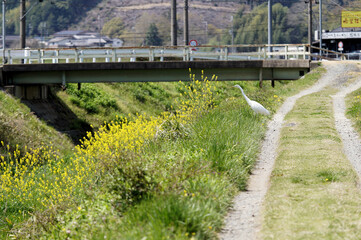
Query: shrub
(90, 98)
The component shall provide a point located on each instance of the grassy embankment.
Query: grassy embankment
(313, 192)
(171, 176)
(19, 128)
(96, 103)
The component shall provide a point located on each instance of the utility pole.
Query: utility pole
(186, 29)
(320, 27)
(173, 16)
(232, 35)
(269, 25)
(22, 24)
(206, 24)
(3, 32)
(309, 23)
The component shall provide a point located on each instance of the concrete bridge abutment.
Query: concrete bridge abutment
(28, 92)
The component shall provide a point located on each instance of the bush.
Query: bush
(91, 98)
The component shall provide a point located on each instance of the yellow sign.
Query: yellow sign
(351, 19)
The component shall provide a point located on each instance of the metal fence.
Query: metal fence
(182, 53)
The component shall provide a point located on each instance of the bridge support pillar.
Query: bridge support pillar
(29, 92)
(260, 77)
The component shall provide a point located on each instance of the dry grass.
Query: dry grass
(313, 192)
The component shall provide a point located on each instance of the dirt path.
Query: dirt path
(351, 140)
(243, 221)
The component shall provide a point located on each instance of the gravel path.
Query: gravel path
(243, 220)
(351, 139)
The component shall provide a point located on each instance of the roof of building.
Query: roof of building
(58, 39)
(68, 33)
(341, 29)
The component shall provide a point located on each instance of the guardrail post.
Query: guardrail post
(30, 59)
(42, 56)
(56, 60)
(26, 56)
(81, 59)
(304, 52)
(286, 52)
(133, 59)
(187, 54)
(39, 56)
(264, 53)
(161, 56)
(114, 55)
(151, 54)
(76, 55)
(10, 58)
(107, 53)
(259, 52)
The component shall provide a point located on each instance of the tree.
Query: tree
(143, 24)
(58, 15)
(252, 28)
(113, 28)
(152, 38)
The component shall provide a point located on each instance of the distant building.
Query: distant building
(66, 39)
(11, 41)
(58, 42)
(348, 38)
(67, 33)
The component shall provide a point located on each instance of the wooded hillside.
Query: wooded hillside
(210, 21)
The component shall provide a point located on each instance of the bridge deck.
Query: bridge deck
(60, 73)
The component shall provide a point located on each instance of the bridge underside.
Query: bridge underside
(24, 74)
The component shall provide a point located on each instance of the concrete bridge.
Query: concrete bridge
(42, 67)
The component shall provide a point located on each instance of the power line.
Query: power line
(335, 3)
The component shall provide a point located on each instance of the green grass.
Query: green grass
(99, 102)
(313, 192)
(354, 109)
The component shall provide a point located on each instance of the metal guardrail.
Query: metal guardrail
(164, 53)
(327, 54)
(353, 56)
(184, 53)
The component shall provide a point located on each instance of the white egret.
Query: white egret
(256, 107)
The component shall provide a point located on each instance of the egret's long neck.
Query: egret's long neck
(245, 97)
